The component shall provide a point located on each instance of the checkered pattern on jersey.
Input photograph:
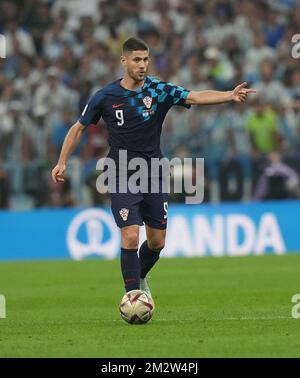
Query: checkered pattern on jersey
(161, 93)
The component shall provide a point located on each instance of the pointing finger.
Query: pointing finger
(244, 84)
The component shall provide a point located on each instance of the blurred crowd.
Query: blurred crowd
(58, 52)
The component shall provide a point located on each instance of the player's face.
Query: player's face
(136, 64)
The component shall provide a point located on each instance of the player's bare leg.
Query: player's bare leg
(155, 238)
(149, 254)
(130, 264)
(130, 237)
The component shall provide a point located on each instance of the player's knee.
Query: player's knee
(130, 239)
(156, 245)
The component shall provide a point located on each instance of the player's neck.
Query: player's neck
(128, 83)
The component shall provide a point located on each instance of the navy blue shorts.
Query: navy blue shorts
(149, 208)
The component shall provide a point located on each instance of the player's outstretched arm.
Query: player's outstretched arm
(238, 94)
(70, 143)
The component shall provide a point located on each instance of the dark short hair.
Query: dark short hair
(134, 44)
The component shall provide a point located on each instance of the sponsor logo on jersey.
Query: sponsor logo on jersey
(117, 105)
(148, 113)
(124, 213)
(147, 101)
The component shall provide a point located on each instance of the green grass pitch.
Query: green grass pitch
(205, 307)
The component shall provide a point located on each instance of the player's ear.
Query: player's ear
(123, 60)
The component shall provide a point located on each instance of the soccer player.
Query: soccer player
(134, 109)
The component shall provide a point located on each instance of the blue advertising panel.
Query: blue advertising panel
(193, 230)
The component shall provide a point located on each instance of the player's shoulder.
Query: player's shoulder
(160, 84)
(152, 81)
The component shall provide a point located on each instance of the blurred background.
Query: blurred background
(58, 52)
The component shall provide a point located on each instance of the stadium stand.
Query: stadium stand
(57, 50)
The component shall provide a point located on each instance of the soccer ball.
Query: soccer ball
(136, 307)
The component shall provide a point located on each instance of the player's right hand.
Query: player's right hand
(57, 173)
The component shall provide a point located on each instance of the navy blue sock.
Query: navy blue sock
(147, 258)
(130, 267)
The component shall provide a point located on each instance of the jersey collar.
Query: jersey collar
(147, 82)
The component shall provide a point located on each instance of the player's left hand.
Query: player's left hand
(57, 173)
(239, 94)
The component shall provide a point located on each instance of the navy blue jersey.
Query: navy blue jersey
(134, 118)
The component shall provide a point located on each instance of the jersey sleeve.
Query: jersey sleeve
(174, 95)
(92, 112)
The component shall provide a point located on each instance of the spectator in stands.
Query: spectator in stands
(54, 96)
(60, 51)
(19, 129)
(262, 126)
(273, 90)
(258, 53)
(61, 129)
(4, 190)
(277, 181)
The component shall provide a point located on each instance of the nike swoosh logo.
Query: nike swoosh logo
(117, 105)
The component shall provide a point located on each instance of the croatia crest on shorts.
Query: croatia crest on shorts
(124, 213)
(147, 101)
